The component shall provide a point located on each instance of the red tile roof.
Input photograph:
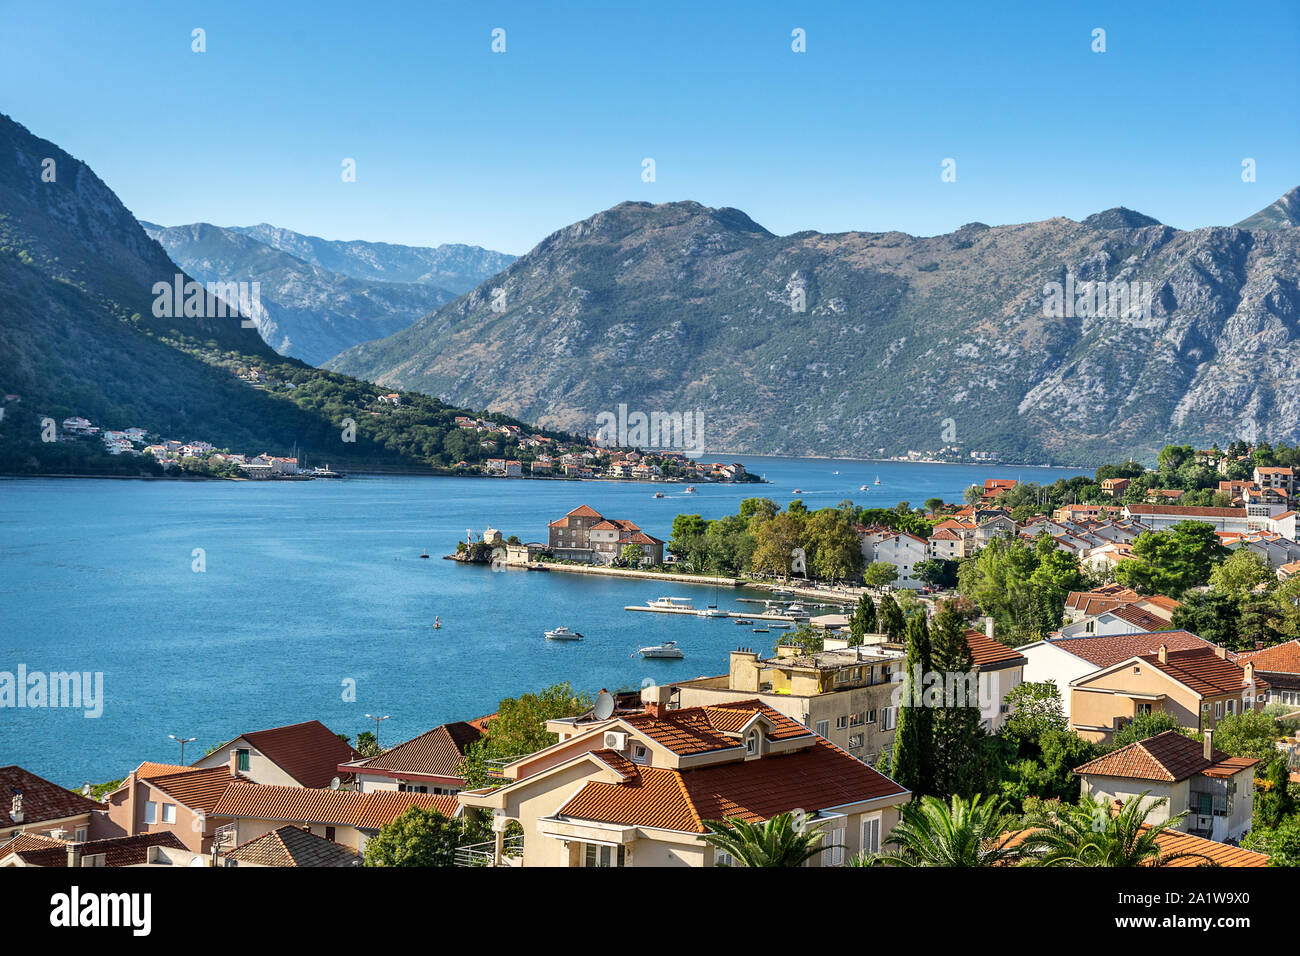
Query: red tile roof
(987, 652)
(292, 846)
(197, 789)
(42, 799)
(1205, 672)
(437, 752)
(1105, 651)
(327, 807)
(309, 752)
(1136, 616)
(1167, 757)
(1187, 511)
(1280, 659)
(583, 511)
(817, 777)
(117, 851)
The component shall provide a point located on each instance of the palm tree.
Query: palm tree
(1092, 834)
(779, 841)
(974, 832)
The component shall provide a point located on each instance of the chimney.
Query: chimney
(74, 854)
(1207, 749)
(655, 699)
(16, 808)
(1221, 651)
(1248, 678)
(988, 627)
(234, 762)
(1163, 654)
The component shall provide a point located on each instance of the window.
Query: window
(723, 858)
(1218, 709)
(639, 753)
(751, 743)
(871, 835)
(871, 716)
(833, 855)
(150, 812)
(887, 720)
(855, 720)
(241, 759)
(329, 834)
(169, 813)
(597, 855)
(1232, 707)
(80, 835)
(841, 722)
(1143, 707)
(855, 741)
(823, 728)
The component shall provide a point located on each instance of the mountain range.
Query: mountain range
(83, 333)
(874, 344)
(319, 297)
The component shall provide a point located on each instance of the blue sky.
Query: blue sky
(454, 143)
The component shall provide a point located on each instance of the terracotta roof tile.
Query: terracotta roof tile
(197, 789)
(1173, 842)
(987, 651)
(42, 799)
(1204, 671)
(309, 752)
(293, 846)
(328, 807)
(1167, 757)
(117, 851)
(437, 752)
(1105, 651)
(1280, 659)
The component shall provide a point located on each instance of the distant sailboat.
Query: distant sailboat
(877, 479)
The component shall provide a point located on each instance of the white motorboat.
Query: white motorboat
(690, 489)
(562, 633)
(779, 624)
(710, 612)
(862, 488)
(666, 649)
(672, 603)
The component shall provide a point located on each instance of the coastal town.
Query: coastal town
(1117, 683)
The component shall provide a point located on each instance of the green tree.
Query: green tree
(1035, 709)
(1146, 725)
(960, 754)
(779, 841)
(879, 573)
(1173, 561)
(420, 837)
(633, 555)
(890, 619)
(961, 832)
(774, 541)
(1090, 834)
(519, 728)
(911, 764)
(1281, 843)
(832, 545)
(1212, 615)
(933, 504)
(863, 621)
(1241, 573)
(1251, 734)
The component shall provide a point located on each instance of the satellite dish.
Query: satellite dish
(85, 790)
(335, 783)
(604, 705)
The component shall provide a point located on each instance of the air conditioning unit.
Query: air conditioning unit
(615, 740)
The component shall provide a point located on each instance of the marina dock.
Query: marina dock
(732, 614)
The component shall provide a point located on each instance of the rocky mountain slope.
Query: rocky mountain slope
(306, 311)
(903, 342)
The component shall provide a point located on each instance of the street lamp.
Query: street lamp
(182, 741)
(377, 720)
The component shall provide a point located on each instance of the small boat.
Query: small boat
(779, 625)
(437, 622)
(426, 553)
(672, 603)
(862, 488)
(761, 630)
(834, 472)
(742, 620)
(877, 479)
(710, 612)
(798, 491)
(668, 649)
(562, 633)
(690, 489)
(659, 494)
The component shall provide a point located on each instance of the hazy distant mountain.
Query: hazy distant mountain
(904, 342)
(307, 311)
(451, 266)
(79, 336)
(1283, 214)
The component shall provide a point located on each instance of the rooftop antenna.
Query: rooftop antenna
(604, 708)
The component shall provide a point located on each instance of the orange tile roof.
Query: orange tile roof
(150, 769)
(1204, 671)
(292, 846)
(583, 511)
(197, 789)
(817, 777)
(1105, 651)
(986, 651)
(1280, 659)
(1173, 842)
(46, 851)
(684, 732)
(1138, 617)
(1167, 757)
(328, 807)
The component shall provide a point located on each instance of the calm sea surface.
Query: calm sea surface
(309, 584)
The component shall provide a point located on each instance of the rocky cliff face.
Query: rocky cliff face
(877, 343)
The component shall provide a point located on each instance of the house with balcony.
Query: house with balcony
(636, 790)
(160, 798)
(1279, 666)
(1279, 479)
(1216, 790)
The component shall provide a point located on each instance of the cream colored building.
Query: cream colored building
(635, 790)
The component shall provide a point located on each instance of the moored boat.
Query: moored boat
(562, 633)
(668, 649)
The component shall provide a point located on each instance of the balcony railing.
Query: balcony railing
(484, 854)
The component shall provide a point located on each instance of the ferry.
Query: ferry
(672, 604)
(668, 649)
(562, 633)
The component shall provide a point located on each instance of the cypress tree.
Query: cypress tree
(959, 748)
(864, 620)
(891, 619)
(912, 764)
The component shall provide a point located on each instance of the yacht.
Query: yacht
(666, 649)
(671, 603)
(562, 633)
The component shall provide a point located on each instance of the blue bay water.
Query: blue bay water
(309, 584)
